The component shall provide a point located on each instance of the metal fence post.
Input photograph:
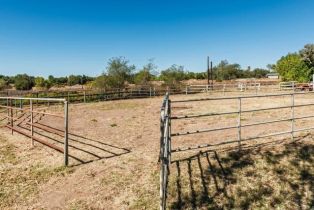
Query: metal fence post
(313, 83)
(11, 113)
(255, 89)
(224, 87)
(292, 117)
(32, 120)
(37, 96)
(239, 122)
(8, 112)
(66, 121)
(21, 105)
(169, 133)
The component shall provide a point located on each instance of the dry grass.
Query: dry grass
(276, 177)
(19, 184)
(118, 145)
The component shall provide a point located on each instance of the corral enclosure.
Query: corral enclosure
(118, 145)
(208, 127)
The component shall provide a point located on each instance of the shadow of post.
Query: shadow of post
(281, 176)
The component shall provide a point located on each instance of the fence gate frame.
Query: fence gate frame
(166, 136)
(9, 106)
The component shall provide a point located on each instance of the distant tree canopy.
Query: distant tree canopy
(101, 82)
(119, 71)
(307, 55)
(3, 84)
(292, 68)
(226, 71)
(23, 82)
(173, 75)
(41, 82)
(297, 66)
(145, 75)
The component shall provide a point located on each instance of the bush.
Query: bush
(23, 82)
(3, 84)
(118, 72)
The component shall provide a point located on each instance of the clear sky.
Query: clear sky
(78, 37)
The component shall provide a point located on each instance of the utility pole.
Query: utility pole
(211, 74)
(207, 70)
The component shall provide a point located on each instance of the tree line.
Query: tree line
(120, 72)
(297, 66)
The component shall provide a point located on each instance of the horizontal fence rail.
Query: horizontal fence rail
(90, 95)
(21, 115)
(165, 149)
(240, 123)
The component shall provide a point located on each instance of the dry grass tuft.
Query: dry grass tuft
(18, 183)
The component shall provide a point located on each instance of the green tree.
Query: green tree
(74, 80)
(40, 82)
(292, 68)
(145, 75)
(119, 71)
(101, 82)
(173, 75)
(23, 82)
(3, 84)
(226, 71)
(307, 55)
(259, 73)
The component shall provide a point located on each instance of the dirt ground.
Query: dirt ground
(114, 148)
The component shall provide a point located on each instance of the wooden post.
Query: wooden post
(66, 121)
(84, 96)
(32, 121)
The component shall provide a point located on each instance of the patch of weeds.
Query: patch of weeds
(113, 125)
(118, 179)
(147, 197)
(119, 105)
(19, 185)
(78, 205)
(7, 154)
(94, 120)
(231, 116)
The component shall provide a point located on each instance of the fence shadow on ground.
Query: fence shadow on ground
(82, 150)
(256, 177)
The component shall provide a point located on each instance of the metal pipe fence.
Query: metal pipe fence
(90, 95)
(21, 115)
(240, 123)
(165, 149)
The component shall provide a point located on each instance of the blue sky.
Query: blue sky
(78, 37)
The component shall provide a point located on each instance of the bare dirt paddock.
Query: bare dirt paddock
(114, 148)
